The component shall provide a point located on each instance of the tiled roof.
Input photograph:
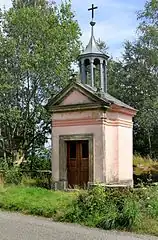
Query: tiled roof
(102, 96)
(106, 96)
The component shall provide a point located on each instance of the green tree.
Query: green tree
(39, 42)
(135, 80)
(102, 45)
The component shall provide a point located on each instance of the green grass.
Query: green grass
(36, 201)
(128, 210)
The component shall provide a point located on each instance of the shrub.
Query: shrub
(129, 215)
(28, 181)
(13, 176)
(38, 181)
(148, 198)
(108, 209)
(40, 161)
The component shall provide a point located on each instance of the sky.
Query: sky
(116, 21)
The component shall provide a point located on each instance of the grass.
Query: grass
(127, 210)
(36, 201)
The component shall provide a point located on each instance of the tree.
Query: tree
(135, 80)
(39, 42)
(102, 45)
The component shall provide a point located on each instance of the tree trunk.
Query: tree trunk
(19, 157)
(149, 142)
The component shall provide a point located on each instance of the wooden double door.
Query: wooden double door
(77, 163)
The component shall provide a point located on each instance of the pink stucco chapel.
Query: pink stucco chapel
(92, 131)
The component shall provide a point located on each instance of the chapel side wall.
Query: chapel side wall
(96, 130)
(119, 148)
(111, 153)
(125, 154)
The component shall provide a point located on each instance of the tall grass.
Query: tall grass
(145, 170)
(144, 165)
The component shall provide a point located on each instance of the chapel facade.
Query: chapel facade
(92, 131)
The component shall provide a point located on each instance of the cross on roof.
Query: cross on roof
(92, 9)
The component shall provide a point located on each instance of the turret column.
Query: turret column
(83, 72)
(105, 76)
(92, 73)
(101, 75)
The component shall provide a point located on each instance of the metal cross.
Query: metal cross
(92, 9)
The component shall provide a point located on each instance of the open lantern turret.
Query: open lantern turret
(93, 64)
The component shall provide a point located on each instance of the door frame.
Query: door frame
(63, 154)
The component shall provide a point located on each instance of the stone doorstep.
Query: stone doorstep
(110, 185)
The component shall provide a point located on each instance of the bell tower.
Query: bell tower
(90, 128)
(93, 62)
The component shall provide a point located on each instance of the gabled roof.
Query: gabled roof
(102, 98)
(109, 98)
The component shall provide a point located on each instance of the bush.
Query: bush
(148, 198)
(13, 176)
(43, 181)
(40, 161)
(108, 209)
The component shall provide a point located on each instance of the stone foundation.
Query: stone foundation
(63, 185)
(60, 185)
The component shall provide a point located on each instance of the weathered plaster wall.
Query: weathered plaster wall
(111, 153)
(75, 98)
(125, 154)
(113, 148)
(87, 122)
(119, 147)
(91, 114)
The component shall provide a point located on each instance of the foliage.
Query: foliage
(145, 170)
(41, 180)
(17, 176)
(39, 42)
(35, 171)
(41, 160)
(107, 209)
(134, 80)
(125, 209)
(13, 176)
(145, 162)
(102, 46)
(115, 209)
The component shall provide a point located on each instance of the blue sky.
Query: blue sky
(116, 20)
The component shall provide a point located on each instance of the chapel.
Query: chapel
(92, 131)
